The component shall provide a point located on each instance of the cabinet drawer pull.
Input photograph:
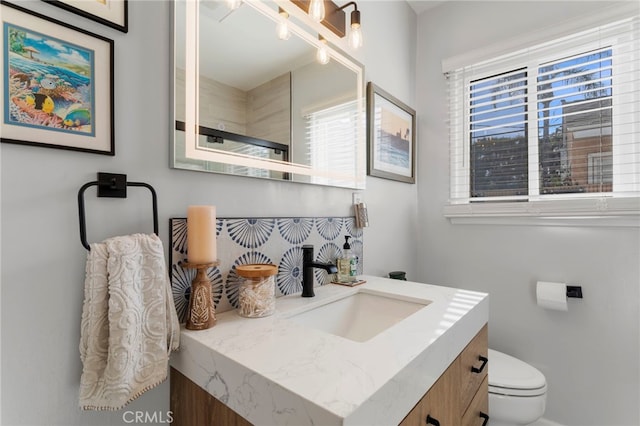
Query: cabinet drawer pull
(485, 417)
(432, 421)
(484, 363)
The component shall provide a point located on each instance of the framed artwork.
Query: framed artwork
(113, 13)
(391, 136)
(57, 84)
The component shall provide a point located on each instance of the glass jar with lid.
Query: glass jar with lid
(257, 292)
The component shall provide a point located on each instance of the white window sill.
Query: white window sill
(619, 212)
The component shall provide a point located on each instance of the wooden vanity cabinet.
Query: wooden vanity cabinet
(478, 411)
(440, 403)
(461, 395)
(193, 406)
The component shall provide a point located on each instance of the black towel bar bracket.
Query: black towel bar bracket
(112, 185)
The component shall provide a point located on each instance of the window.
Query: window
(498, 135)
(600, 168)
(557, 121)
(331, 132)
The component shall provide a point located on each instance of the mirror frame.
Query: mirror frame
(195, 152)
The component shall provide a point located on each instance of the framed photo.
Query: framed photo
(57, 84)
(391, 136)
(113, 13)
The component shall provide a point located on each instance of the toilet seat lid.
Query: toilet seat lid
(508, 372)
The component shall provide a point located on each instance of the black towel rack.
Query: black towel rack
(112, 185)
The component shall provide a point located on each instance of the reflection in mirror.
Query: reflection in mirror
(264, 107)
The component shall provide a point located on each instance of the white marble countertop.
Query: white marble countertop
(273, 371)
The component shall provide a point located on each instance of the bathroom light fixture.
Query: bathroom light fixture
(322, 56)
(233, 4)
(355, 35)
(282, 28)
(334, 18)
(317, 10)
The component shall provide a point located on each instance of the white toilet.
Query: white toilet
(517, 391)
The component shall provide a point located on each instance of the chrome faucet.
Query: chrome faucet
(307, 270)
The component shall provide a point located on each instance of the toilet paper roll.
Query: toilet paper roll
(552, 295)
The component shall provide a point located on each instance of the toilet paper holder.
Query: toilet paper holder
(574, 291)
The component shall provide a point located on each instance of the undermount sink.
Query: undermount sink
(360, 316)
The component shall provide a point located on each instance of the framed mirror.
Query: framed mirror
(249, 103)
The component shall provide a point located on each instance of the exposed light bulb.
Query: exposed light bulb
(233, 4)
(322, 56)
(282, 29)
(355, 37)
(316, 10)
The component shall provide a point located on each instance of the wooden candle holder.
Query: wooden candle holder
(201, 313)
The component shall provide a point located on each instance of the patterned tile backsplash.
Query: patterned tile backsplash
(261, 240)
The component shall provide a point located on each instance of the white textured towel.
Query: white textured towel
(129, 323)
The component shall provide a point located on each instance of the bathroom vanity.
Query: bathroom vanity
(460, 396)
(407, 353)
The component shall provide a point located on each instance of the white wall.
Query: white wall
(43, 260)
(590, 355)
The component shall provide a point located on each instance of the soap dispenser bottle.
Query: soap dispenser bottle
(347, 264)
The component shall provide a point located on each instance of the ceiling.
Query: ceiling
(420, 6)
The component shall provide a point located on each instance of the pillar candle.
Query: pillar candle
(201, 234)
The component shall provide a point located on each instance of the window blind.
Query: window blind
(330, 135)
(250, 150)
(559, 120)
